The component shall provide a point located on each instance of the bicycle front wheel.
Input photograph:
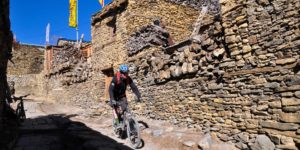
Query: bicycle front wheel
(133, 133)
(21, 113)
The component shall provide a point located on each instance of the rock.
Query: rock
(241, 145)
(189, 143)
(244, 137)
(298, 131)
(290, 101)
(165, 74)
(196, 47)
(186, 52)
(218, 52)
(287, 94)
(262, 107)
(190, 68)
(206, 142)
(275, 138)
(215, 86)
(291, 108)
(285, 61)
(230, 39)
(228, 64)
(244, 25)
(275, 104)
(252, 40)
(259, 81)
(157, 133)
(263, 142)
(247, 91)
(272, 85)
(279, 126)
(177, 72)
(208, 57)
(290, 117)
(297, 94)
(181, 57)
(287, 140)
(287, 143)
(247, 49)
(184, 68)
(223, 137)
(290, 81)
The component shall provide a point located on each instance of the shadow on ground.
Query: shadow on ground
(58, 132)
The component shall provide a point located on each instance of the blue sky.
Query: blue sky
(29, 19)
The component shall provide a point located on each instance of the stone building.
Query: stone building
(115, 24)
(25, 67)
(27, 59)
(237, 75)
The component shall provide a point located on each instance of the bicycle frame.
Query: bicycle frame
(130, 126)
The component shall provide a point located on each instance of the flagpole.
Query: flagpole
(77, 24)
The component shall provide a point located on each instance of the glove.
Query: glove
(113, 102)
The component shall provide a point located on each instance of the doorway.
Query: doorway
(108, 73)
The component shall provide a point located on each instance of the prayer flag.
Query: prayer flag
(73, 14)
(101, 2)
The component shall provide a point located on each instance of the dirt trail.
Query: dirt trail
(156, 134)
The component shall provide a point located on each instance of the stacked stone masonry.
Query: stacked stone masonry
(27, 59)
(112, 27)
(238, 77)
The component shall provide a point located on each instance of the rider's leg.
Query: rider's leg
(124, 104)
(116, 115)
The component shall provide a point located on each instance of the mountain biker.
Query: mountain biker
(117, 91)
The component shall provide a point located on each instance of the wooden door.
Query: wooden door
(108, 77)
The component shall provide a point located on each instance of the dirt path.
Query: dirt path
(69, 128)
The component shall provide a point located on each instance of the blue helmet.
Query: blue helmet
(124, 68)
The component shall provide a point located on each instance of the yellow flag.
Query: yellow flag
(101, 2)
(73, 14)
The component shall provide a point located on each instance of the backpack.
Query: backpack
(124, 76)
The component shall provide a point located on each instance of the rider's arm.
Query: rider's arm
(111, 88)
(135, 89)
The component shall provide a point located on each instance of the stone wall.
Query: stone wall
(28, 59)
(69, 79)
(112, 27)
(238, 77)
(32, 84)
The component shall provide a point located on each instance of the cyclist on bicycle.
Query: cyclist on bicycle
(117, 91)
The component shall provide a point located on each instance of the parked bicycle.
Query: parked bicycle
(129, 126)
(20, 111)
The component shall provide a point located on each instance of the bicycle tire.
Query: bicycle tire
(23, 115)
(20, 112)
(133, 133)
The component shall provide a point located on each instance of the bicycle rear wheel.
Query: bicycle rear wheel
(133, 133)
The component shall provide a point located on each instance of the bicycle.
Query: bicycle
(129, 126)
(20, 111)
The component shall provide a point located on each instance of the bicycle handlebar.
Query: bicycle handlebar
(20, 97)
